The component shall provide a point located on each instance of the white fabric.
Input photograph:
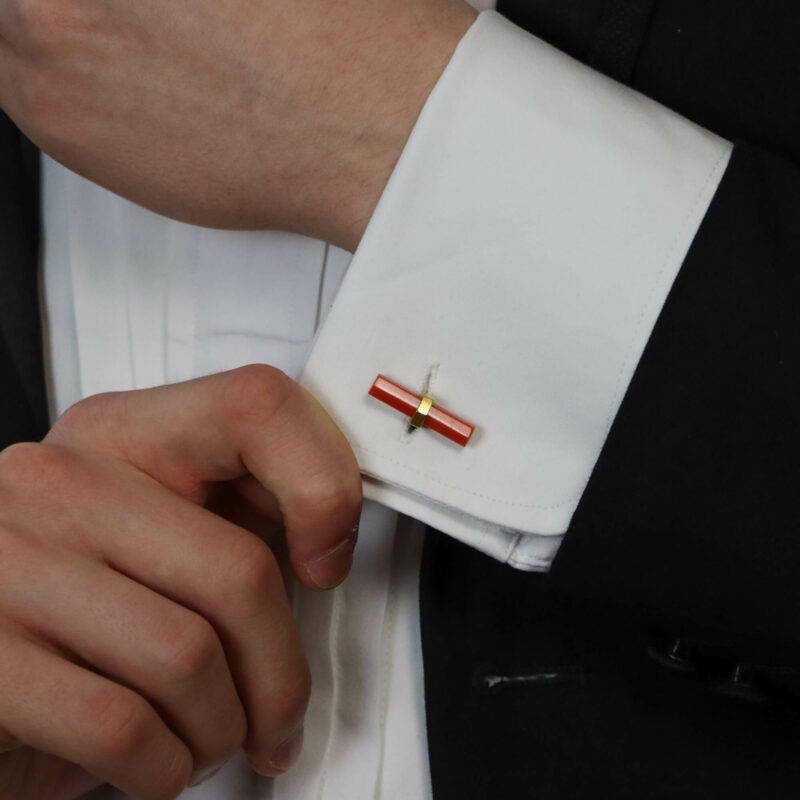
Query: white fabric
(129, 277)
(133, 300)
(518, 259)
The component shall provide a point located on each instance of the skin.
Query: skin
(145, 632)
(143, 638)
(286, 114)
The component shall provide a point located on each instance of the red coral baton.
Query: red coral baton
(423, 412)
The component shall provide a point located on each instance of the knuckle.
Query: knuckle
(18, 459)
(253, 567)
(193, 648)
(30, 464)
(122, 722)
(122, 726)
(89, 422)
(252, 392)
(89, 412)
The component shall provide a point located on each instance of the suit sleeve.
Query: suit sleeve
(611, 294)
(690, 520)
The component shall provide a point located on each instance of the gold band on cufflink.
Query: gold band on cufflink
(421, 414)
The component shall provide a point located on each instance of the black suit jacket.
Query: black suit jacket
(658, 659)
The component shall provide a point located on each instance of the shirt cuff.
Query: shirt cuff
(515, 265)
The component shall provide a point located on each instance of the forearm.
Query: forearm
(286, 115)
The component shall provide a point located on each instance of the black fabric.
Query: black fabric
(585, 712)
(732, 66)
(691, 518)
(570, 26)
(23, 409)
(619, 36)
(669, 620)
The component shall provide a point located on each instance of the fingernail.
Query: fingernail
(202, 775)
(328, 570)
(287, 752)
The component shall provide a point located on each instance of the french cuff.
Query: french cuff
(514, 269)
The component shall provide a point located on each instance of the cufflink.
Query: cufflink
(422, 411)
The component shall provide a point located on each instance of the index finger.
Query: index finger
(253, 420)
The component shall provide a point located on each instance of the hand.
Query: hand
(284, 114)
(143, 638)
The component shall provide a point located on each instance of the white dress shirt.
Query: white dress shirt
(134, 300)
(516, 263)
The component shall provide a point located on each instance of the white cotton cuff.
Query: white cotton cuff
(519, 257)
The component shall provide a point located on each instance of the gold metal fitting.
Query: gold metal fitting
(421, 414)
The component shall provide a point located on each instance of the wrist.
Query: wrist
(351, 169)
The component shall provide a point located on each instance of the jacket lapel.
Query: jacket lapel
(23, 405)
